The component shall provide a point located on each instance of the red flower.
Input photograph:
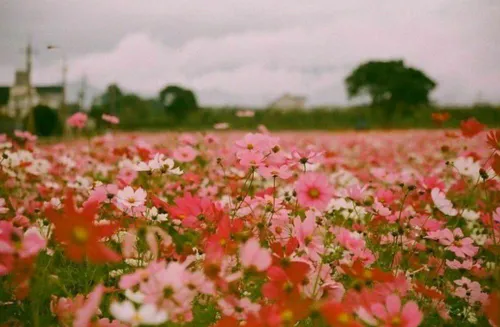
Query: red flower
(337, 314)
(358, 271)
(491, 308)
(440, 117)
(76, 230)
(495, 165)
(283, 284)
(493, 139)
(471, 127)
(281, 257)
(428, 292)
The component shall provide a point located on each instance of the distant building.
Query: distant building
(288, 102)
(15, 100)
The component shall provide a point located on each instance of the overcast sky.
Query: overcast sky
(249, 52)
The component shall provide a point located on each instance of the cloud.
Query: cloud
(302, 49)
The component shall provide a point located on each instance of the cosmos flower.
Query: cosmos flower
(442, 203)
(77, 232)
(77, 120)
(110, 119)
(146, 314)
(314, 190)
(254, 257)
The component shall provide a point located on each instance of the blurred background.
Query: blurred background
(193, 65)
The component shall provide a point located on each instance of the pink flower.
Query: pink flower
(33, 242)
(307, 156)
(272, 171)
(313, 190)
(253, 256)
(442, 203)
(25, 135)
(391, 314)
(77, 120)
(89, 308)
(251, 159)
(470, 291)
(461, 247)
(128, 199)
(304, 232)
(111, 119)
(464, 248)
(185, 154)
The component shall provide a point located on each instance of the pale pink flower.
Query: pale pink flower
(110, 119)
(314, 190)
(251, 159)
(254, 257)
(304, 231)
(272, 171)
(245, 113)
(77, 120)
(3, 208)
(25, 135)
(33, 242)
(84, 314)
(128, 198)
(185, 153)
(442, 203)
(146, 314)
(221, 126)
(391, 313)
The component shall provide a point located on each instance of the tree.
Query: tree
(177, 101)
(46, 121)
(389, 84)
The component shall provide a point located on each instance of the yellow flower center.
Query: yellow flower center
(343, 318)
(80, 234)
(396, 321)
(367, 274)
(287, 315)
(314, 193)
(131, 200)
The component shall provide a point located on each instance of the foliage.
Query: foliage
(314, 119)
(177, 101)
(390, 83)
(397, 228)
(47, 121)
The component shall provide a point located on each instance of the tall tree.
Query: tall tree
(390, 83)
(177, 101)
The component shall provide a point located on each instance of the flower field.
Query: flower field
(229, 229)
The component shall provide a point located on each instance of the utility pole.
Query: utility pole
(63, 109)
(81, 93)
(29, 61)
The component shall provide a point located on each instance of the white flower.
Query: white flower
(147, 314)
(159, 163)
(467, 167)
(129, 198)
(442, 203)
(38, 167)
(153, 214)
(3, 209)
(137, 297)
(470, 215)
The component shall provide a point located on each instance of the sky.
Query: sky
(238, 52)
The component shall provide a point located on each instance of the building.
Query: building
(16, 100)
(288, 102)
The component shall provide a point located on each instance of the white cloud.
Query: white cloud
(310, 55)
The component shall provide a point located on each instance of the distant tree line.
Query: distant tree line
(399, 98)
